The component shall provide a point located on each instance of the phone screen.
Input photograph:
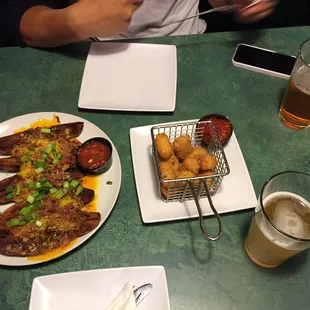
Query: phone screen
(264, 59)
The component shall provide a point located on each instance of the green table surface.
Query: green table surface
(200, 274)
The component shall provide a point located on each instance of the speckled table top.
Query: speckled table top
(200, 274)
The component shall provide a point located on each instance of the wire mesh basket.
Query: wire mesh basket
(198, 186)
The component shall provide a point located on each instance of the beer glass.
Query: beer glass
(295, 106)
(280, 227)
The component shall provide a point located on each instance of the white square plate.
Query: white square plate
(96, 289)
(235, 193)
(129, 77)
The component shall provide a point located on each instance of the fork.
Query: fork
(224, 9)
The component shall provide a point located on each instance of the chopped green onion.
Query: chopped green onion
(66, 184)
(59, 156)
(9, 189)
(35, 194)
(22, 223)
(33, 185)
(39, 223)
(53, 190)
(69, 178)
(43, 180)
(48, 184)
(55, 161)
(44, 156)
(39, 170)
(79, 190)
(38, 185)
(13, 222)
(109, 182)
(25, 159)
(50, 145)
(46, 130)
(42, 149)
(59, 194)
(31, 148)
(10, 196)
(28, 218)
(18, 190)
(27, 210)
(48, 150)
(26, 185)
(74, 183)
(30, 199)
(39, 163)
(39, 198)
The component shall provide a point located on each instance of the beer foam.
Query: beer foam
(286, 218)
(301, 79)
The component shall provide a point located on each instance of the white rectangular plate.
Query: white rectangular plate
(129, 77)
(235, 193)
(96, 289)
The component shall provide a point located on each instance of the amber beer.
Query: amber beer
(295, 107)
(265, 245)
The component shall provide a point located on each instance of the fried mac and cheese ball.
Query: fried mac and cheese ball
(163, 145)
(182, 146)
(192, 164)
(198, 152)
(207, 162)
(167, 172)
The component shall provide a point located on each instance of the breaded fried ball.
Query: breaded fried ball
(191, 164)
(163, 145)
(174, 161)
(207, 162)
(182, 146)
(184, 174)
(198, 152)
(206, 173)
(167, 172)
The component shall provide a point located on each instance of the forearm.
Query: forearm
(41, 26)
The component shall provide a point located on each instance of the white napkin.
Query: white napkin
(125, 300)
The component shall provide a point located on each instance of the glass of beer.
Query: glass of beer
(295, 107)
(280, 227)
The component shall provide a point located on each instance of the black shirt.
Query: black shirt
(11, 12)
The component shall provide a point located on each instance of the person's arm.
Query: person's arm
(252, 14)
(39, 25)
(42, 26)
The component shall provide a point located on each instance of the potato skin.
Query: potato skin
(182, 146)
(163, 145)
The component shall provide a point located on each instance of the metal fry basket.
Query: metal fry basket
(195, 187)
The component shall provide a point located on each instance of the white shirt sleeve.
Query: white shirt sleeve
(217, 3)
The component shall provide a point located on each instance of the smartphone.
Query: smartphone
(263, 61)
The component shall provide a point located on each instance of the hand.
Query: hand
(255, 12)
(101, 18)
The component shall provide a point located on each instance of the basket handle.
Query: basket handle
(220, 231)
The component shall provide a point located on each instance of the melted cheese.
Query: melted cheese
(52, 254)
(43, 122)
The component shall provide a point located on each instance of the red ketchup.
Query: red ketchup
(223, 127)
(93, 155)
